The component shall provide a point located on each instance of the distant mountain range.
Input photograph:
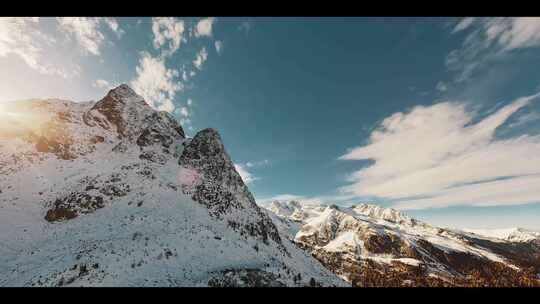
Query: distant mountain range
(368, 245)
(113, 193)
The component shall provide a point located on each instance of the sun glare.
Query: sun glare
(18, 120)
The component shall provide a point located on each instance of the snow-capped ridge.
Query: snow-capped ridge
(378, 212)
(354, 241)
(509, 234)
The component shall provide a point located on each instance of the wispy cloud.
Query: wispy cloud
(525, 119)
(101, 83)
(441, 86)
(185, 112)
(168, 34)
(436, 156)
(257, 164)
(463, 24)
(88, 31)
(204, 27)
(247, 177)
(489, 40)
(219, 46)
(114, 26)
(245, 27)
(200, 59)
(22, 37)
(156, 83)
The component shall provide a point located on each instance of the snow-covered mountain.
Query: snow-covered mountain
(373, 246)
(508, 234)
(112, 193)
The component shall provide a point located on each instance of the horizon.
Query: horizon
(438, 118)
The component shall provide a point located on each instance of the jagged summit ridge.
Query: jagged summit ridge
(510, 234)
(388, 214)
(121, 109)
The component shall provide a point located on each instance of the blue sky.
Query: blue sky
(435, 116)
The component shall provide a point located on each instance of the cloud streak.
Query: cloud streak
(489, 40)
(247, 177)
(22, 37)
(87, 31)
(439, 156)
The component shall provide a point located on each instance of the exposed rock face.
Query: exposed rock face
(162, 129)
(373, 246)
(72, 205)
(221, 189)
(244, 278)
(122, 109)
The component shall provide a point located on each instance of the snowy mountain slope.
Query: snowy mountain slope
(367, 244)
(111, 193)
(509, 234)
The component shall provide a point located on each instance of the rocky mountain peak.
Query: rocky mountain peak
(121, 109)
(205, 155)
(115, 195)
(122, 90)
(209, 176)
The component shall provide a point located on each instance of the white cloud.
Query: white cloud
(204, 27)
(514, 191)
(247, 177)
(219, 46)
(243, 169)
(526, 118)
(441, 86)
(156, 83)
(168, 34)
(200, 59)
(101, 83)
(516, 33)
(245, 27)
(184, 111)
(114, 26)
(87, 31)
(261, 163)
(490, 40)
(436, 156)
(463, 24)
(23, 38)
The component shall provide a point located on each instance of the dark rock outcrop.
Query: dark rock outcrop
(221, 189)
(120, 108)
(245, 278)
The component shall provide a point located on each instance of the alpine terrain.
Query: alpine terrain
(112, 193)
(368, 245)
